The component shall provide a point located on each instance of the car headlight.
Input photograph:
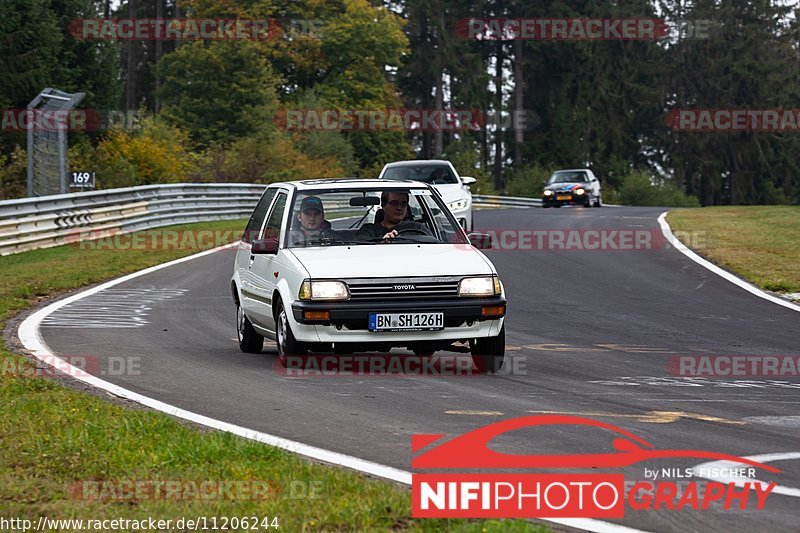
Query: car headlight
(457, 205)
(580, 192)
(323, 290)
(548, 193)
(480, 286)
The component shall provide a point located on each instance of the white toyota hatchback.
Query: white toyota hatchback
(364, 265)
(453, 188)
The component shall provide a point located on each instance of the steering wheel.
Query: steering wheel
(418, 231)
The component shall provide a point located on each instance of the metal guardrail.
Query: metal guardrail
(47, 221)
(484, 201)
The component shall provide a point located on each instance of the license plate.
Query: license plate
(560, 198)
(406, 321)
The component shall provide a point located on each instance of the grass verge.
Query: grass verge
(52, 436)
(758, 243)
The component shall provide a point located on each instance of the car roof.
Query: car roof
(572, 170)
(411, 163)
(349, 183)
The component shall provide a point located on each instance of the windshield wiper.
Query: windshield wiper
(319, 241)
(408, 238)
(358, 222)
(327, 241)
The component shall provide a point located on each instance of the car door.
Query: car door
(262, 267)
(242, 263)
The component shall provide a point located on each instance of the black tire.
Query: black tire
(598, 202)
(288, 346)
(249, 340)
(488, 355)
(588, 203)
(556, 205)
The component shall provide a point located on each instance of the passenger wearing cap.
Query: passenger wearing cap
(311, 223)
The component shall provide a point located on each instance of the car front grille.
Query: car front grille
(439, 288)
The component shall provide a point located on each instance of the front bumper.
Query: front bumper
(464, 217)
(354, 315)
(565, 199)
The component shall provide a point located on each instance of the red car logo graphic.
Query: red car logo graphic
(470, 450)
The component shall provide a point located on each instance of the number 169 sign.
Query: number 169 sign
(82, 179)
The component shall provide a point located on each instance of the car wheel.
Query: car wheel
(556, 205)
(588, 203)
(545, 205)
(488, 354)
(249, 340)
(598, 202)
(287, 344)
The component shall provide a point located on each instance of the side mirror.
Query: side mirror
(481, 241)
(467, 180)
(264, 246)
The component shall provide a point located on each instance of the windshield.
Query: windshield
(569, 177)
(337, 217)
(436, 174)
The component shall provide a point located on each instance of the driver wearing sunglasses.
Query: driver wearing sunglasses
(395, 210)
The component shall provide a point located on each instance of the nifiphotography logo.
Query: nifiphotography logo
(514, 495)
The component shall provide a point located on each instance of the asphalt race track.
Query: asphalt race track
(590, 332)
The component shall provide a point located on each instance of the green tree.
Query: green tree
(30, 39)
(218, 91)
(597, 102)
(359, 45)
(748, 61)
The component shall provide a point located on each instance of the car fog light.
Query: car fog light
(317, 315)
(493, 311)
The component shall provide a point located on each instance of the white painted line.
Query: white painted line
(32, 340)
(29, 336)
(665, 229)
(740, 481)
(780, 421)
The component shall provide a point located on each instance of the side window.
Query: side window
(273, 228)
(257, 218)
